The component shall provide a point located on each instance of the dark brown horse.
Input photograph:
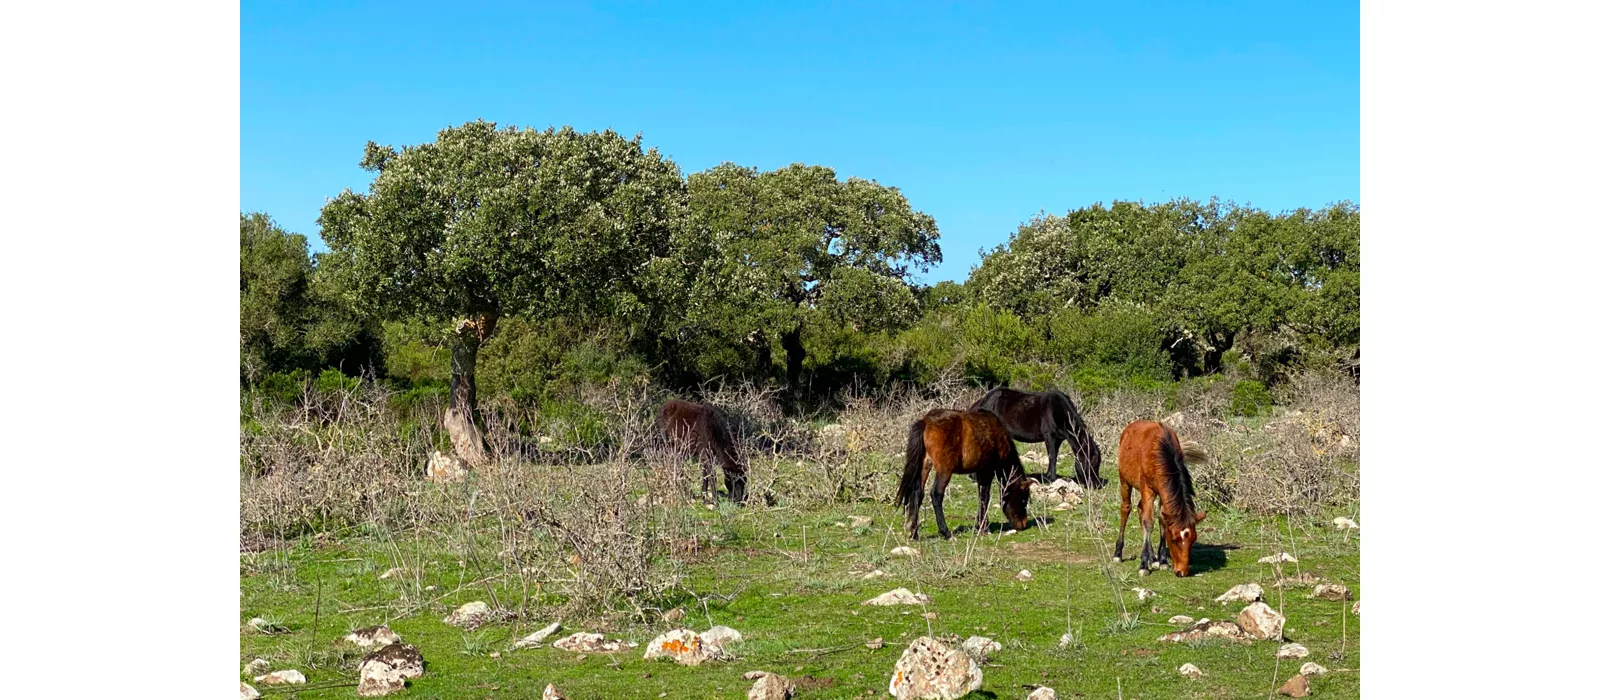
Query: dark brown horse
(701, 432)
(945, 443)
(1049, 417)
(1151, 459)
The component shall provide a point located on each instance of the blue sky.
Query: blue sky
(983, 114)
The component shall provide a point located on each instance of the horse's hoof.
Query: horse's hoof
(1116, 559)
(1144, 572)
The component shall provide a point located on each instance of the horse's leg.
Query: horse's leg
(984, 480)
(1053, 446)
(1146, 518)
(708, 476)
(1127, 506)
(940, 480)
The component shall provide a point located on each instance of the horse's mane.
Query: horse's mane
(1177, 489)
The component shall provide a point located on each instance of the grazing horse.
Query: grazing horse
(1151, 459)
(945, 443)
(1049, 417)
(700, 431)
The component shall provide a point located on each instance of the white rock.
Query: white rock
(589, 642)
(285, 677)
(1042, 693)
(391, 573)
(900, 596)
(535, 639)
(860, 521)
(263, 626)
(686, 648)
(1330, 591)
(1024, 575)
(1279, 558)
(550, 693)
(722, 635)
(930, 669)
(1260, 621)
(875, 573)
(375, 636)
(1204, 629)
(1144, 593)
(1310, 668)
(1190, 671)
(980, 648)
(769, 686)
(247, 692)
(446, 469)
(1355, 608)
(1066, 640)
(257, 667)
(903, 551)
(1180, 620)
(1345, 524)
(1244, 592)
(386, 670)
(470, 616)
(1293, 650)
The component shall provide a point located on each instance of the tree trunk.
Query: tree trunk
(461, 418)
(795, 355)
(1220, 343)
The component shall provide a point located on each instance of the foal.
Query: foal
(945, 443)
(701, 432)
(1151, 459)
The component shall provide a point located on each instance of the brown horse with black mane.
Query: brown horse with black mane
(1151, 459)
(945, 443)
(1051, 418)
(701, 432)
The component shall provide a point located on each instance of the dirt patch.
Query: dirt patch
(1046, 551)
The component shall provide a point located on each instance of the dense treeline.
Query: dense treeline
(524, 265)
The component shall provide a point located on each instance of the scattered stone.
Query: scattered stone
(903, 551)
(979, 648)
(1297, 687)
(674, 615)
(900, 596)
(375, 636)
(1293, 650)
(430, 588)
(722, 635)
(1042, 693)
(284, 677)
(1311, 668)
(685, 647)
(876, 643)
(1279, 558)
(1190, 671)
(1244, 592)
(386, 670)
(391, 573)
(550, 693)
(1260, 621)
(1060, 492)
(860, 521)
(248, 692)
(1345, 524)
(875, 573)
(591, 642)
(470, 616)
(1355, 608)
(769, 686)
(1024, 575)
(929, 669)
(1330, 591)
(1066, 640)
(1300, 579)
(261, 625)
(930, 615)
(256, 667)
(1180, 620)
(1207, 629)
(1144, 594)
(446, 469)
(535, 639)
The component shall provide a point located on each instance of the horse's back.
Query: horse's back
(970, 438)
(1139, 454)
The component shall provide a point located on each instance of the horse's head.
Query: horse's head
(1014, 502)
(1180, 539)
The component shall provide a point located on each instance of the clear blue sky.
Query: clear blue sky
(982, 114)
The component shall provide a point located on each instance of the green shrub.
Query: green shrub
(1250, 398)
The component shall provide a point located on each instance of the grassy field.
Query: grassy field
(790, 579)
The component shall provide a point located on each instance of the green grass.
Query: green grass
(798, 604)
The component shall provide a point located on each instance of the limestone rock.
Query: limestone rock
(931, 670)
(284, 677)
(686, 648)
(1297, 687)
(860, 521)
(470, 616)
(590, 642)
(769, 686)
(1059, 492)
(1066, 640)
(375, 636)
(875, 643)
(875, 573)
(263, 626)
(1180, 620)
(1330, 591)
(386, 670)
(900, 596)
(979, 648)
(257, 667)
(1279, 558)
(1260, 621)
(1244, 592)
(903, 551)
(550, 693)
(1042, 693)
(248, 692)
(1207, 629)
(391, 573)
(1293, 650)
(1310, 668)
(1144, 594)
(674, 615)
(446, 469)
(1190, 671)
(1345, 524)
(1024, 575)
(537, 638)
(722, 635)
(1355, 608)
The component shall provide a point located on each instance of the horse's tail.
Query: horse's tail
(911, 480)
(1193, 452)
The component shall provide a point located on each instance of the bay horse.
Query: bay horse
(1049, 417)
(701, 431)
(1151, 459)
(948, 442)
